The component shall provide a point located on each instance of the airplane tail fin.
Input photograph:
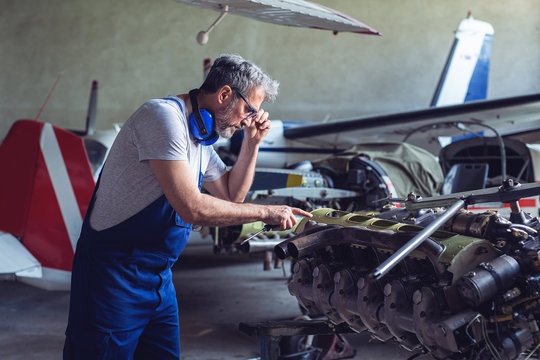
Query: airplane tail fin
(207, 64)
(45, 187)
(465, 74)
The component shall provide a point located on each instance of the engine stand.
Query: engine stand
(272, 333)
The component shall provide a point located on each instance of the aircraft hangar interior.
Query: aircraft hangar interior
(383, 206)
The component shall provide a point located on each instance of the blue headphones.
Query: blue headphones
(201, 123)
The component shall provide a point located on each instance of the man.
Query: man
(123, 303)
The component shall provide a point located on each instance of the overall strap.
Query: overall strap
(200, 178)
(92, 200)
(176, 101)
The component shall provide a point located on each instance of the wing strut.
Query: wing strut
(202, 36)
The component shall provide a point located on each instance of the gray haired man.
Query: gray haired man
(123, 303)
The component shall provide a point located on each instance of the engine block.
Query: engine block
(470, 291)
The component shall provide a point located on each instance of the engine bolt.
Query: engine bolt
(296, 267)
(316, 272)
(500, 244)
(387, 289)
(337, 277)
(417, 297)
(443, 330)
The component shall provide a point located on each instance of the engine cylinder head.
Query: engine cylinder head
(488, 279)
(519, 341)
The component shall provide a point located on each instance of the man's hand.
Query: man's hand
(284, 216)
(256, 128)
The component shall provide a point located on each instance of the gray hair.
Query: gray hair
(235, 71)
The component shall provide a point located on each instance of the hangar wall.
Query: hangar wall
(139, 49)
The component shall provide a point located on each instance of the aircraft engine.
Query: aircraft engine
(470, 291)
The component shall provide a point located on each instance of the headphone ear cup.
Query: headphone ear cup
(211, 136)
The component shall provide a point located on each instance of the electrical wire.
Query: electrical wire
(476, 318)
(492, 349)
(480, 353)
(532, 352)
(48, 97)
(499, 140)
(477, 123)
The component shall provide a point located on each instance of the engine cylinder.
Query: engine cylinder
(519, 341)
(488, 279)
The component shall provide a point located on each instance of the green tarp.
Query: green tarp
(410, 168)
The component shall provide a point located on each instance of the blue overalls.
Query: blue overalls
(123, 303)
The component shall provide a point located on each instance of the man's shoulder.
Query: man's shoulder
(157, 119)
(156, 110)
(161, 105)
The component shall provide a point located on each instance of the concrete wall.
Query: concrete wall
(139, 49)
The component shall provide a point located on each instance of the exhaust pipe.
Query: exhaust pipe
(260, 245)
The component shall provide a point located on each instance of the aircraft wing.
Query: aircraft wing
(508, 116)
(297, 13)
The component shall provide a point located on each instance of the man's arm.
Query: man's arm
(235, 184)
(179, 186)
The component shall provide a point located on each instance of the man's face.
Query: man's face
(237, 114)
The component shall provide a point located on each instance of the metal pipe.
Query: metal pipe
(260, 245)
(302, 245)
(281, 248)
(410, 246)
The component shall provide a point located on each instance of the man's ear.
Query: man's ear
(225, 93)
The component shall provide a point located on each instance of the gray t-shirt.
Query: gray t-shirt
(157, 130)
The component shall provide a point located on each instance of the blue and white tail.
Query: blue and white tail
(465, 75)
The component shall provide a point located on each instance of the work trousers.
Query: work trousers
(123, 306)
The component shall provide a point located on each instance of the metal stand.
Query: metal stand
(271, 333)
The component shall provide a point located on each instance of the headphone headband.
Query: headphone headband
(196, 112)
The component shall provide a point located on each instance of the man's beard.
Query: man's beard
(224, 123)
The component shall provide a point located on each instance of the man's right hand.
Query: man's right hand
(284, 217)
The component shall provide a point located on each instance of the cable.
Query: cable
(476, 318)
(48, 97)
(532, 352)
(480, 353)
(462, 127)
(492, 349)
(499, 140)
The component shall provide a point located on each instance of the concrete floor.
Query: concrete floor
(215, 294)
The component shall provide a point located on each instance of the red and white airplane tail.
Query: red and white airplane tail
(45, 188)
